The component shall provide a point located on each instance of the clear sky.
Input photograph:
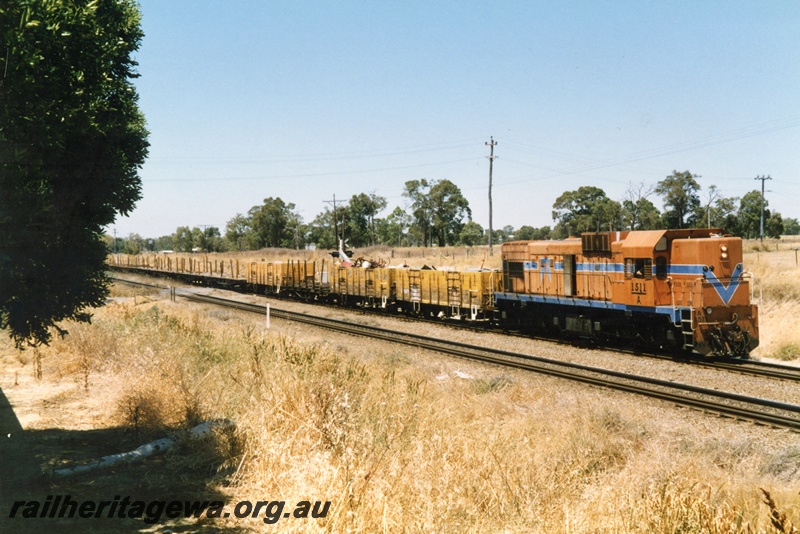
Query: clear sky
(250, 99)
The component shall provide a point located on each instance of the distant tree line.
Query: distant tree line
(588, 209)
(438, 214)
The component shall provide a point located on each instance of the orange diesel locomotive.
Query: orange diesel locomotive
(685, 289)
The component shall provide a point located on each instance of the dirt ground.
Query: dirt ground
(49, 423)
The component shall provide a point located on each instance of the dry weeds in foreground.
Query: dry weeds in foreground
(400, 444)
(777, 272)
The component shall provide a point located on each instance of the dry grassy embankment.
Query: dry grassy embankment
(398, 442)
(776, 266)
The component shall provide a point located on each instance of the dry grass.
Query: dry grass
(403, 445)
(777, 275)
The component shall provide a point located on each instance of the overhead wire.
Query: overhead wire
(308, 175)
(715, 139)
(325, 156)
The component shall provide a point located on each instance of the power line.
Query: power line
(309, 175)
(792, 121)
(313, 157)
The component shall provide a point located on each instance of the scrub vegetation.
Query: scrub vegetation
(776, 266)
(401, 441)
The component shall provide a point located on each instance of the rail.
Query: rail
(763, 411)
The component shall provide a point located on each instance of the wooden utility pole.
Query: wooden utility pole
(763, 179)
(336, 236)
(491, 144)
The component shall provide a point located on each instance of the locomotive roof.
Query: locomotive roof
(570, 245)
(639, 243)
(643, 241)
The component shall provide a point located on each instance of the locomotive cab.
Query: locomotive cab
(709, 283)
(644, 257)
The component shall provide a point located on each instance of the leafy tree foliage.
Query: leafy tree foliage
(165, 242)
(750, 214)
(361, 212)
(321, 232)
(529, 233)
(540, 233)
(450, 208)
(134, 244)
(679, 191)
(237, 232)
(438, 209)
(703, 214)
(750, 217)
(586, 209)
(501, 235)
(638, 213)
(773, 226)
(209, 239)
(71, 141)
(724, 214)
(525, 233)
(791, 226)
(472, 234)
(421, 210)
(392, 230)
(275, 224)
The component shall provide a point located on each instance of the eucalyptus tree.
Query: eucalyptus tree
(679, 191)
(438, 209)
(586, 209)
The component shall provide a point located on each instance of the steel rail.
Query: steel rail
(570, 371)
(747, 367)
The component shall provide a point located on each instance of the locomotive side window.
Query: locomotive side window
(513, 274)
(662, 244)
(639, 268)
(515, 268)
(661, 268)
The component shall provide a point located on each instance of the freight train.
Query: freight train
(681, 290)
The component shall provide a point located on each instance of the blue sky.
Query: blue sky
(250, 99)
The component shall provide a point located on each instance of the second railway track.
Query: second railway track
(746, 367)
(762, 411)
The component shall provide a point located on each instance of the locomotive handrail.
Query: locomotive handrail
(700, 293)
(492, 288)
(670, 283)
(733, 321)
(753, 281)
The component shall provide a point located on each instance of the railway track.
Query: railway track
(762, 411)
(745, 367)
